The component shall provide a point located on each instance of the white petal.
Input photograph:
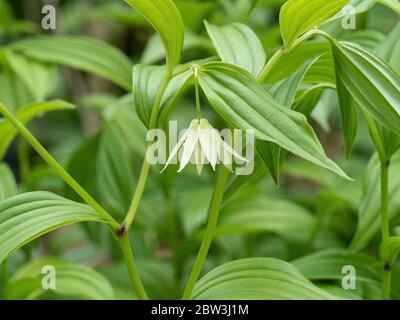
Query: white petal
(188, 148)
(178, 145)
(209, 145)
(198, 157)
(230, 150)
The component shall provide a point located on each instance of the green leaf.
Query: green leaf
(157, 277)
(299, 16)
(257, 278)
(359, 6)
(390, 249)
(328, 263)
(84, 53)
(103, 166)
(82, 167)
(154, 51)
(290, 62)
(39, 78)
(368, 38)
(373, 84)
(284, 91)
(349, 115)
(72, 280)
(8, 186)
(165, 17)
(252, 215)
(26, 217)
(194, 12)
(245, 104)
(369, 220)
(25, 114)
(389, 48)
(392, 4)
(147, 81)
(114, 171)
(237, 44)
(131, 127)
(270, 154)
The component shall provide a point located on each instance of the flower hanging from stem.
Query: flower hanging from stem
(202, 144)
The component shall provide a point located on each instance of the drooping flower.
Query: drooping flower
(201, 144)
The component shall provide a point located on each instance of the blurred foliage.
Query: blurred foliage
(311, 219)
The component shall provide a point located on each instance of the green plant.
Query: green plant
(275, 97)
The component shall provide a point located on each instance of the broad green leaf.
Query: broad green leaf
(299, 16)
(298, 56)
(252, 215)
(257, 278)
(119, 110)
(328, 263)
(238, 182)
(359, 6)
(348, 113)
(8, 186)
(157, 277)
(373, 84)
(132, 129)
(103, 166)
(82, 166)
(338, 291)
(72, 281)
(323, 108)
(369, 220)
(87, 54)
(368, 38)
(389, 48)
(154, 51)
(27, 216)
(270, 154)
(164, 16)
(194, 12)
(147, 81)
(284, 92)
(237, 44)
(389, 51)
(390, 249)
(392, 4)
(114, 171)
(39, 78)
(13, 93)
(245, 104)
(25, 114)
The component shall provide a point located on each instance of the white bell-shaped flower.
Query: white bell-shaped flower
(200, 144)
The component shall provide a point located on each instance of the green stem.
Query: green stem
(384, 199)
(278, 55)
(131, 264)
(384, 162)
(387, 268)
(158, 100)
(144, 173)
(137, 197)
(209, 233)
(197, 92)
(52, 162)
(376, 138)
(223, 177)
